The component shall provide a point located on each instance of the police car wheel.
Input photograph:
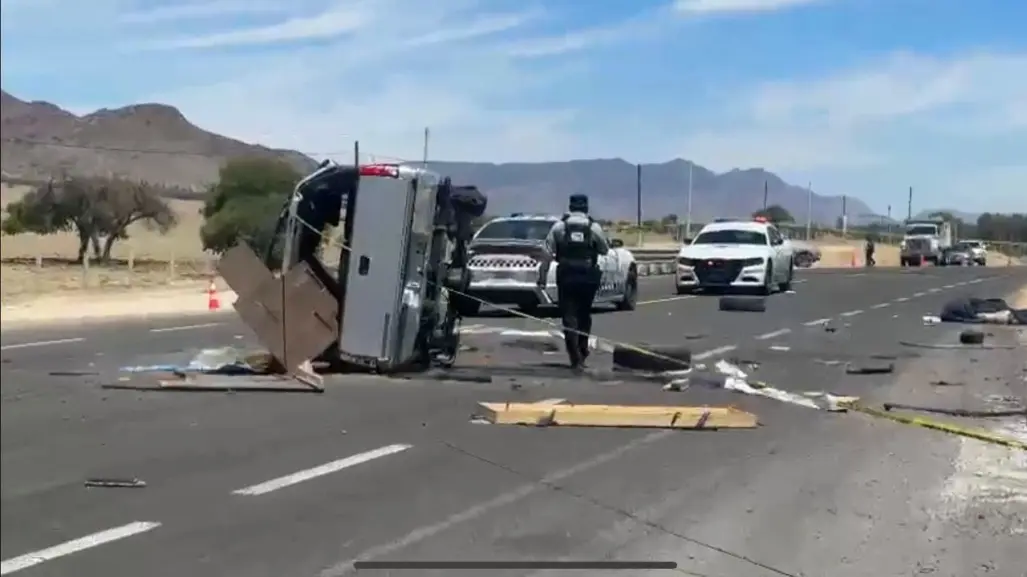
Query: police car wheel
(768, 282)
(787, 285)
(630, 300)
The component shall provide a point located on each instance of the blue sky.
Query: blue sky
(859, 97)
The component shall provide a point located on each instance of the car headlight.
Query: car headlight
(754, 261)
(683, 261)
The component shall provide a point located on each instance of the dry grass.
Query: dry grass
(34, 264)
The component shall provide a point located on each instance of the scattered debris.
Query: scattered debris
(979, 434)
(535, 345)
(930, 320)
(960, 346)
(984, 414)
(870, 370)
(944, 383)
(73, 373)
(116, 483)
(736, 380)
(666, 417)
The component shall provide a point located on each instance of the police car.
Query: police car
(736, 254)
(511, 264)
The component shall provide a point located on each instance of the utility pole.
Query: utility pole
(766, 193)
(845, 215)
(909, 208)
(688, 208)
(425, 156)
(638, 202)
(809, 211)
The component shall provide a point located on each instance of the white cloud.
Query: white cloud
(724, 6)
(202, 10)
(855, 116)
(333, 22)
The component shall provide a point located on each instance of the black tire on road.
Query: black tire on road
(666, 358)
(971, 337)
(743, 304)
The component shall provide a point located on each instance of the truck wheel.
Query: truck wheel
(467, 307)
(670, 358)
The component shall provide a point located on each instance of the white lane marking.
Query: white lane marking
(975, 281)
(714, 352)
(919, 294)
(773, 334)
(852, 313)
(934, 290)
(520, 333)
(881, 305)
(89, 541)
(857, 274)
(184, 328)
(666, 300)
(901, 299)
(326, 469)
(424, 532)
(41, 344)
(550, 402)
(961, 283)
(817, 322)
(948, 286)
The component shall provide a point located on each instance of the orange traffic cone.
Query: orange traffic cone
(852, 262)
(213, 302)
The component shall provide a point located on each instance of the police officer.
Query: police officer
(868, 250)
(577, 241)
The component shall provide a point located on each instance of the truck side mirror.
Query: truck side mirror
(616, 243)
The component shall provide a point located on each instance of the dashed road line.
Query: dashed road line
(881, 305)
(185, 328)
(919, 294)
(81, 544)
(852, 313)
(319, 471)
(817, 322)
(772, 334)
(41, 344)
(714, 352)
(934, 290)
(901, 299)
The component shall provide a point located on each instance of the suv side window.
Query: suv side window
(774, 235)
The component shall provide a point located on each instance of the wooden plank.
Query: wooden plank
(668, 417)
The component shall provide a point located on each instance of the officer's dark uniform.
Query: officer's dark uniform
(869, 252)
(578, 242)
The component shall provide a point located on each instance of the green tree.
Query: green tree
(99, 210)
(774, 213)
(245, 202)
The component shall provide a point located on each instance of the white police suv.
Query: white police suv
(736, 254)
(510, 263)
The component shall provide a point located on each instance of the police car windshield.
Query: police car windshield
(516, 229)
(731, 237)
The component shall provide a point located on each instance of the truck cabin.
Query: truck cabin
(923, 228)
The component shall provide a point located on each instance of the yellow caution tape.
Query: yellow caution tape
(927, 423)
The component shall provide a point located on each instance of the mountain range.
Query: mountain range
(156, 143)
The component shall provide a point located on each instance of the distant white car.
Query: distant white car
(978, 250)
(736, 254)
(511, 264)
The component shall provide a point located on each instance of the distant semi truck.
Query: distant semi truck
(925, 240)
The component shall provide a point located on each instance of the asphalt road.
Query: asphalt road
(301, 485)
